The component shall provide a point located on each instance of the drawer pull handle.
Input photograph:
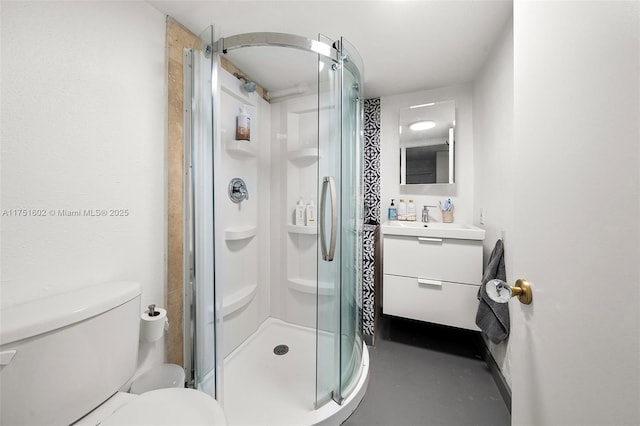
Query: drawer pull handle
(429, 282)
(435, 240)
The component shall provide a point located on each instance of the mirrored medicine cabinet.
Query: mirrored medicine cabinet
(427, 143)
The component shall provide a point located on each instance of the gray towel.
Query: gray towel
(493, 317)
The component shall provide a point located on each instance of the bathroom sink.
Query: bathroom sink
(461, 231)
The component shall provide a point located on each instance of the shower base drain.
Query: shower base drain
(281, 349)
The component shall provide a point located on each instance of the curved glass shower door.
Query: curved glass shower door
(330, 184)
(351, 150)
(339, 331)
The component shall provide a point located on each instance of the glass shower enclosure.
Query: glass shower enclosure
(251, 267)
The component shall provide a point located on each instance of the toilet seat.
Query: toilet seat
(170, 406)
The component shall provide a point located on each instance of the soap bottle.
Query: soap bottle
(311, 214)
(393, 211)
(402, 210)
(411, 211)
(243, 125)
(299, 218)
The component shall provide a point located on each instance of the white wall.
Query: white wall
(493, 132)
(461, 193)
(83, 127)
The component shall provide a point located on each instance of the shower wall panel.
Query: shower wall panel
(242, 229)
(295, 156)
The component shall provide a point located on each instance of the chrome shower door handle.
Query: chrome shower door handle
(328, 182)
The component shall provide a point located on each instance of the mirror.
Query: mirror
(427, 136)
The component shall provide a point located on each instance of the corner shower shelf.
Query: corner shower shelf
(304, 154)
(238, 300)
(297, 229)
(243, 149)
(309, 286)
(239, 232)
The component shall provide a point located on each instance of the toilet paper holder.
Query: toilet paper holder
(152, 311)
(154, 323)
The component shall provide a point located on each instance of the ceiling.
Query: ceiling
(405, 45)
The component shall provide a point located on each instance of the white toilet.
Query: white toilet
(66, 359)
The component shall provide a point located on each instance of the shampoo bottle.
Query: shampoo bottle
(243, 125)
(402, 210)
(311, 214)
(299, 218)
(411, 211)
(393, 211)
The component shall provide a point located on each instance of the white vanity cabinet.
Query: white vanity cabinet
(434, 279)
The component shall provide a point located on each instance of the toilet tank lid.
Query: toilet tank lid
(43, 315)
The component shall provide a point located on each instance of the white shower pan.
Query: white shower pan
(263, 388)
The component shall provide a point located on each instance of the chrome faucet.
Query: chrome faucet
(425, 213)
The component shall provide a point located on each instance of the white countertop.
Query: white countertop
(461, 231)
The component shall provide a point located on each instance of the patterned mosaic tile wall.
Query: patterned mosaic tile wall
(372, 161)
(371, 211)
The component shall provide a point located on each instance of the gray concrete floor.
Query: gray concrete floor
(426, 374)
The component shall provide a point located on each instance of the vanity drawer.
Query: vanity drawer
(447, 303)
(437, 258)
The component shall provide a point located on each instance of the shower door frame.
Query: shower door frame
(223, 45)
(199, 72)
(352, 147)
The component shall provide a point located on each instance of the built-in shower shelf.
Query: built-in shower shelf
(239, 233)
(297, 229)
(238, 300)
(241, 149)
(304, 154)
(311, 286)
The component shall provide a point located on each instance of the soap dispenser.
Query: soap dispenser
(393, 211)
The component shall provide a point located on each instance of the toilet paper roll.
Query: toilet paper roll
(152, 328)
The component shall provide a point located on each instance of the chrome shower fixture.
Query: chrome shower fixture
(238, 190)
(248, 85)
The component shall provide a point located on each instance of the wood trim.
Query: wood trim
(177, 38)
